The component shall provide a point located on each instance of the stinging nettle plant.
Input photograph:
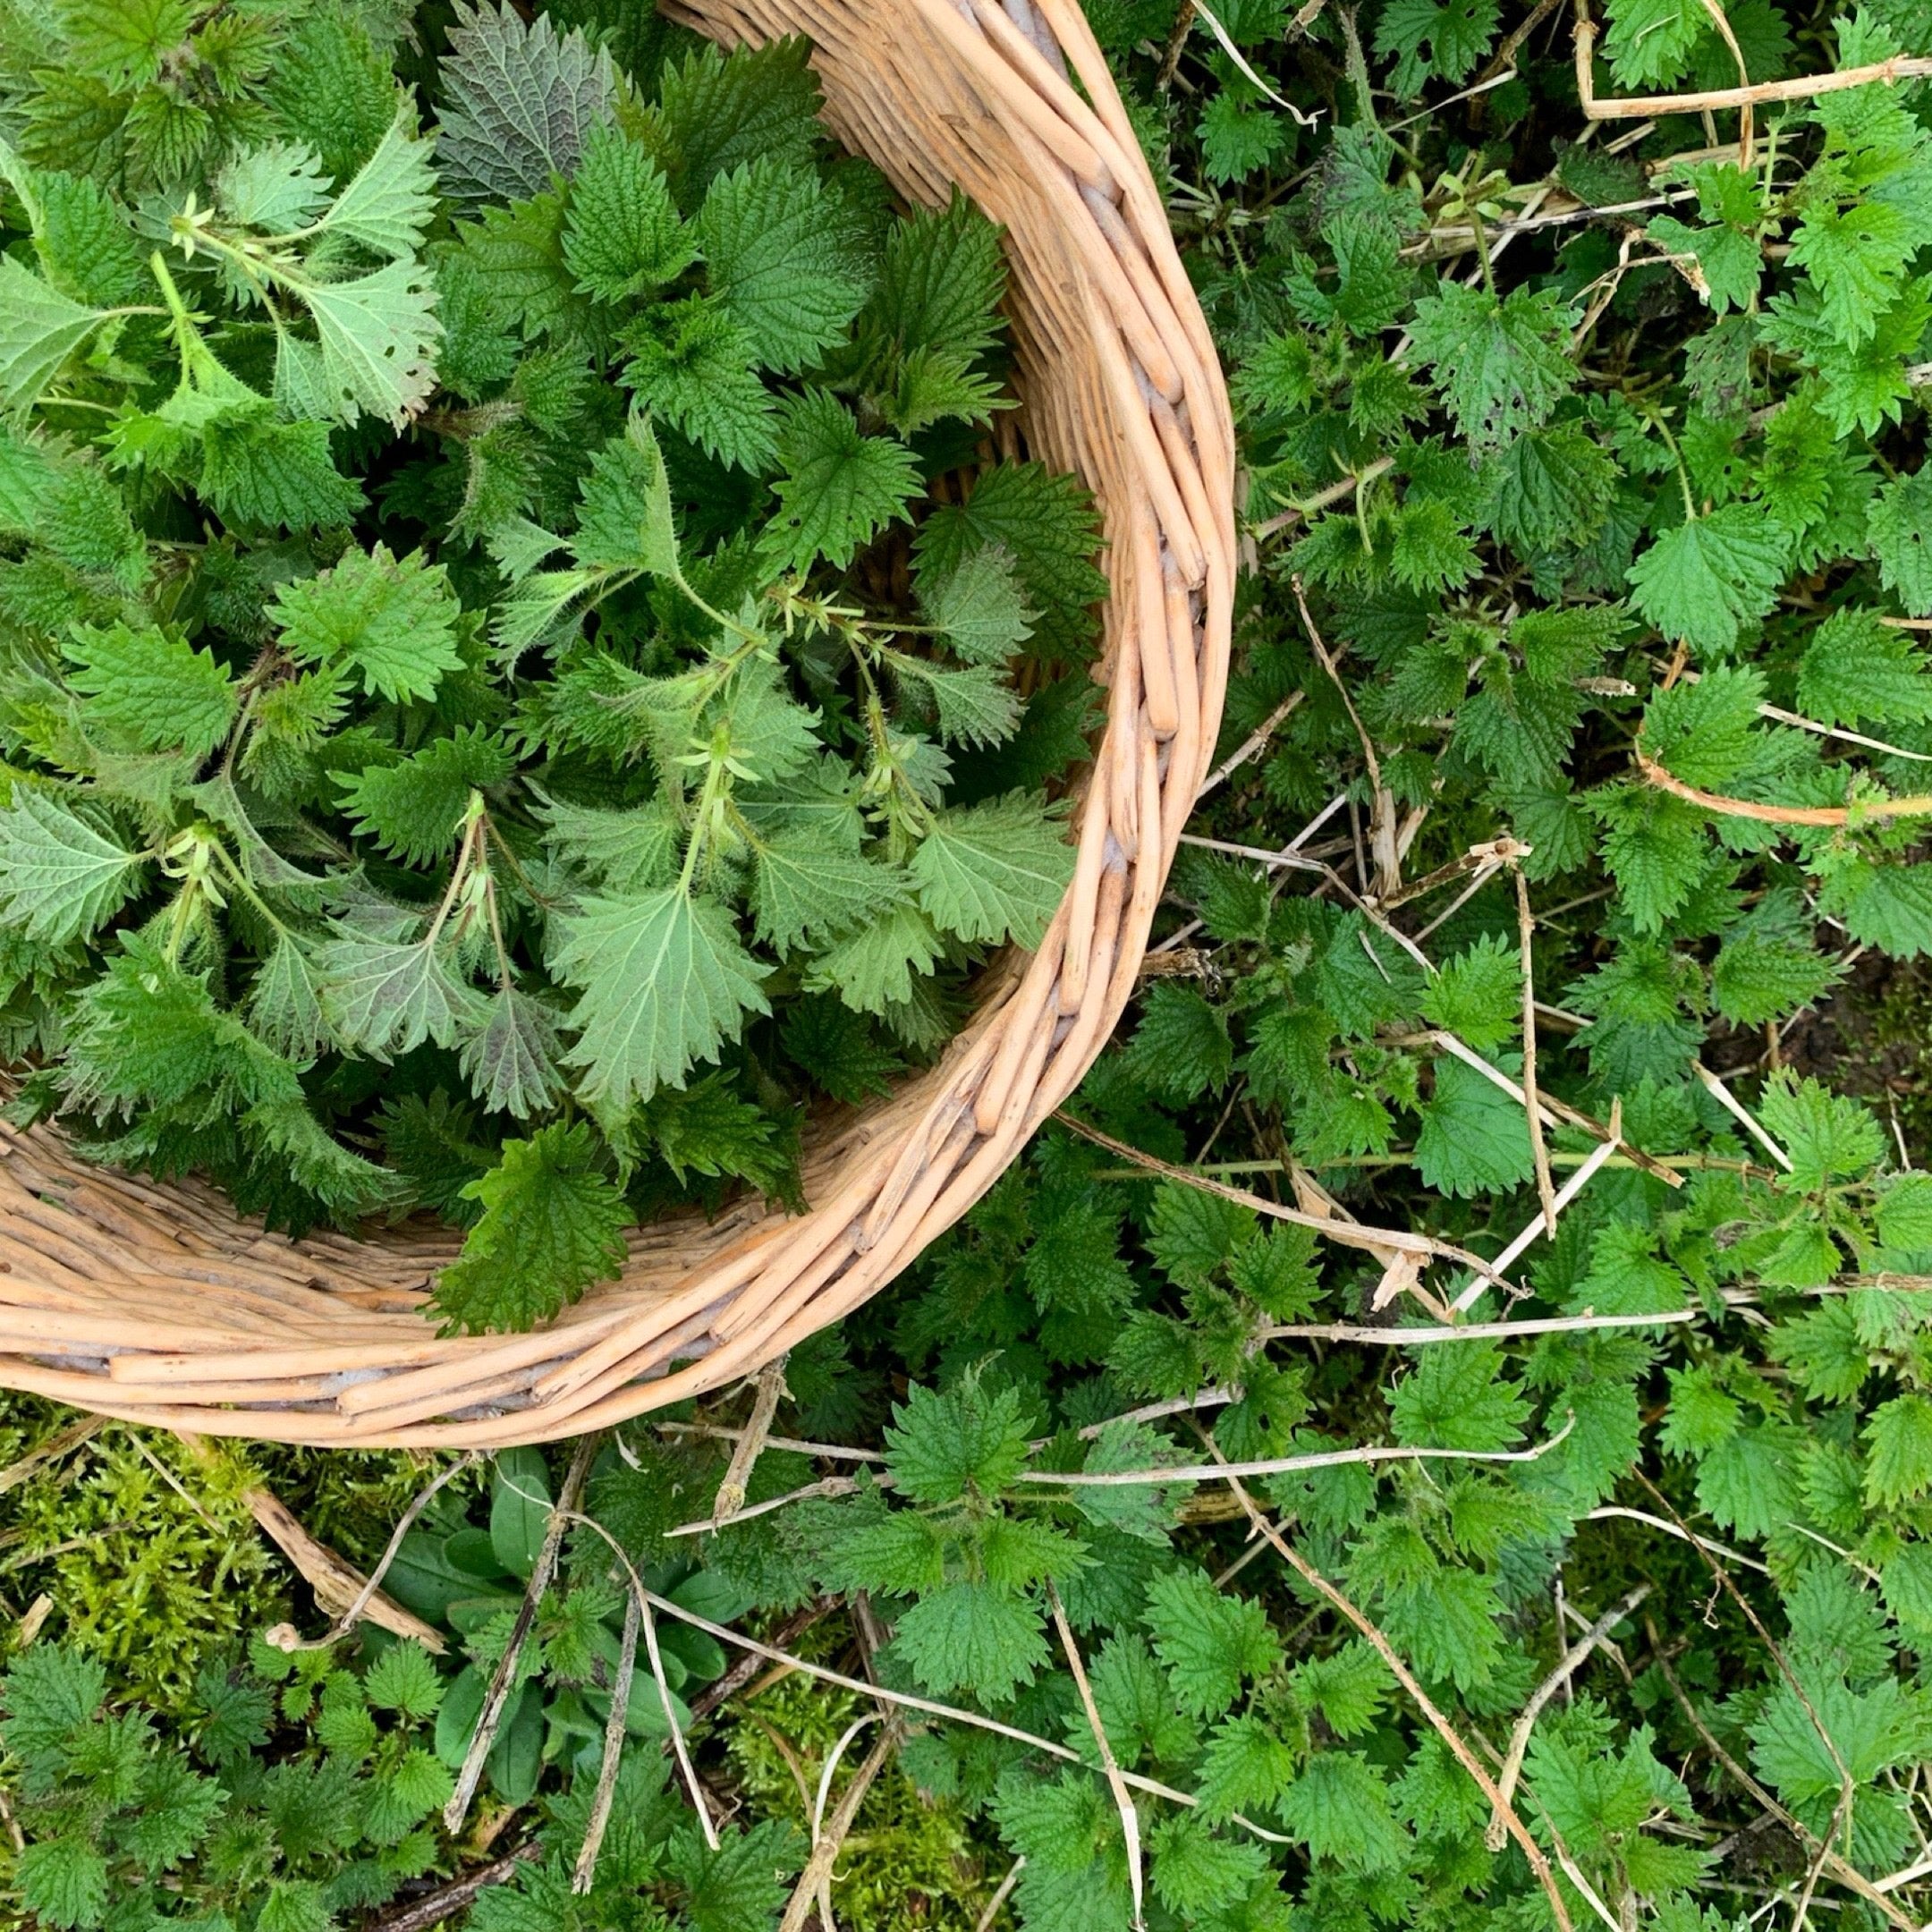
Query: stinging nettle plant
(521, 665)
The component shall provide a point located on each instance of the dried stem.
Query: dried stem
(1800, 87)
(1255, 741)
(1122, 1800)
(1567, 1667)
(447, 1899)
(613, 1740)
(1867, 811)
(679, 1747)
(1728, 1585)
(283, 1636)
(51, 1448)
(1491, 1331)
(340, 1588)
(1000, 1897)
(815, 1881)
(1212, 1472)
(731, 1493)
(1348, 1233)
(1847, 1874)
(1532, 1106)
(1220, 1470)
(496, 1699)
(906, 1700)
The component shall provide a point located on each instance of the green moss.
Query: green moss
(151, 1560)
(907, 1861)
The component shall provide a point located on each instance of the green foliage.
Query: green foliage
(148, 1551)
(1594, 529)
(125, 1819)
(521, 603)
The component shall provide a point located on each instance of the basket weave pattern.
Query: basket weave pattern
(161, 1304)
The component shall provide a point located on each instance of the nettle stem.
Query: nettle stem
(1670, 443)
(476, 818)
(716, 793)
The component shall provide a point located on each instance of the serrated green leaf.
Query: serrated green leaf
(391, 621)
(807, 889)
(1900, 525)
(511, 1060)
(61, 878)
(520, 102)
(1502, 365)
(387, 997)
(994, 872)
(664, 983)
(391, 199)
(838, 488)
(1210, 1641)
(1704, 582)
(1474, 1140)
(552, 1223)
(414, 809)
(152, 687)
(622, 234)
(39, 329)
(769, 234)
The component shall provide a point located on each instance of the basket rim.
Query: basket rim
(158, 1303)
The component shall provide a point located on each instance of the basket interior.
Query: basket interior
(162, 1301)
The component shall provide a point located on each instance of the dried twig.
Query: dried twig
(1348, 1233)
(1514, 43)
(1866, 811)
(1000, 1897)
(1605, 1511)
(1388, 879)
(283, 1636)
(1206, 1472)
(679, 1747)
(1532, 1106)
(1242, 62)
(1847, 1874)
(340, 1588)
(613, 1740)
(1487, 856)
(1726, 1581)
(496, 1699)
(1122, 1802)
(1799, 86)
(1419, 1336)
(814, 1882)
(1566, 1667)
(906, 1700)
(792, 1444)
(731, 1493)
(1553, 1109)
(1219, 1471)
(50, 1449)
(826, 1486)
(723, 1689)
(1739, 1113)
(447, 1899)
(1254, 742)
(1471, 1292)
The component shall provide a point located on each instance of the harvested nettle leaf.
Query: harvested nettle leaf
(509, 628)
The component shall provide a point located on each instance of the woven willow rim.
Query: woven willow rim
(161, 1305)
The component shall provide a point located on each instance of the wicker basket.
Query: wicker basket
(161, 1305)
